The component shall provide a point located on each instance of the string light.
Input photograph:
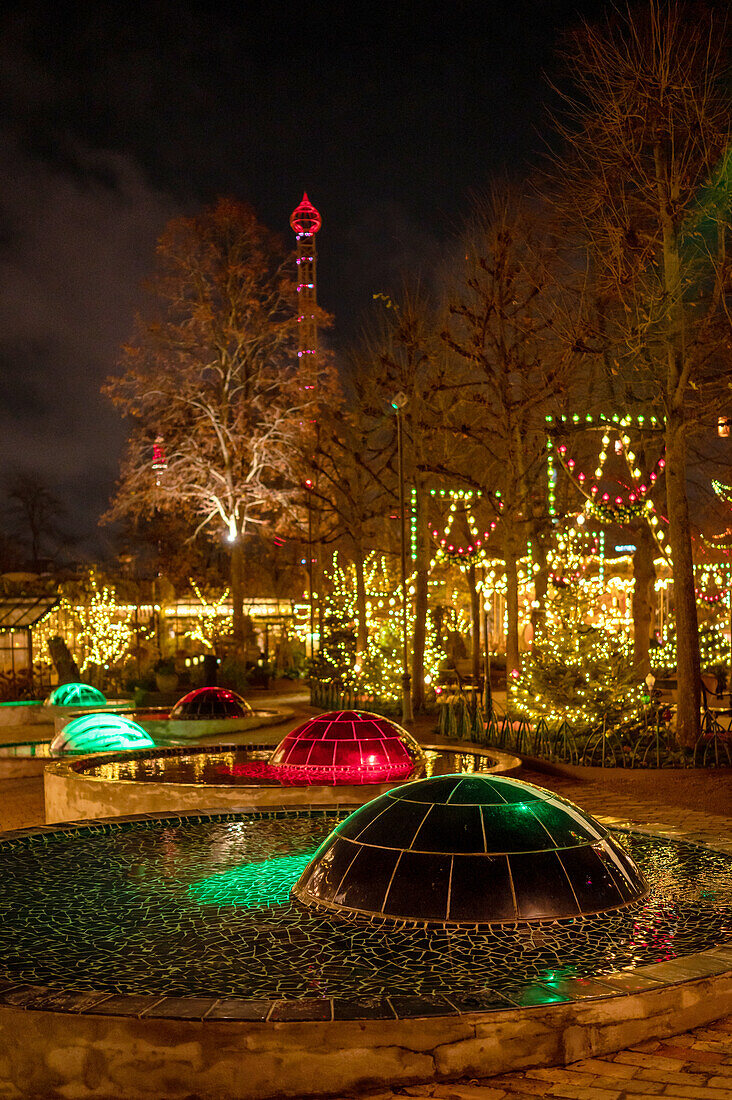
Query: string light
(378, 671)
(578, 672)
(212, 621)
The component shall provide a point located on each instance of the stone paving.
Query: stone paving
(694, 1066)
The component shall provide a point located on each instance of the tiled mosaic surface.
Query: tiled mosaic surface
(198, 908)
(231, 767)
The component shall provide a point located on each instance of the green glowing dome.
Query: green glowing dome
(100, 733)
(75, 695)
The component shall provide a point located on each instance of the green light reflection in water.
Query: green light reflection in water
(252, 885)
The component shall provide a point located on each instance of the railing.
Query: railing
(647, 743)
(334, 695)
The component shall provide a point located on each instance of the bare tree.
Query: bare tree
(212, 370)
(412, 362)
(508, 371)
(350, 488)
(35, 514)
(646, 181)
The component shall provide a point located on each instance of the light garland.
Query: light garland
(474, 552)
(724, 492)
(620, 509)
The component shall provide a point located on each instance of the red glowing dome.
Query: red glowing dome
(347, 746)
(211, 702)
(305, 218)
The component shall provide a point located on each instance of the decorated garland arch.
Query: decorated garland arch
(635, 502)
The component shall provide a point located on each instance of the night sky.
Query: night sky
(115, 117)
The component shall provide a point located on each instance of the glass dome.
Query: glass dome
(100, 733)
(348, 746)
(75, 695)
(477, 849)
(210, 702)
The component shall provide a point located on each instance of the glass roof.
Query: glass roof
(21, 613)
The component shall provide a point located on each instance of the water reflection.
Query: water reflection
(246, 767)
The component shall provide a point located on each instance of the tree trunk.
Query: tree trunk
(419, 636)
(644, 575)
(237, 590)
(474, 623)
(66, 667)
(513, 660)
(688, 671)
(362, 634)
(541, 584)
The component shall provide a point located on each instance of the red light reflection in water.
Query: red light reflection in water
(258, 771)
(657, 933)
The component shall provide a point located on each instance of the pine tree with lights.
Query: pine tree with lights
(578, 672)
(337, 655)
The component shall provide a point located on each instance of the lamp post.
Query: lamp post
(309, 487)
(398, 402)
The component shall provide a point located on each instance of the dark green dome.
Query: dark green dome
(473, 849)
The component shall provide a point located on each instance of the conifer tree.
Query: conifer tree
(578, 672)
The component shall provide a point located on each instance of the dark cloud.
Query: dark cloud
(77, 239)
(113, 117)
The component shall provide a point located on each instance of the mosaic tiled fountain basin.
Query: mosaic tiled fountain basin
(217, 777)
(131, 939)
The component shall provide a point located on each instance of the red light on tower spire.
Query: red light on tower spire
(306, 221)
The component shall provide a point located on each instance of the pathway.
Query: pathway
(694, 1066)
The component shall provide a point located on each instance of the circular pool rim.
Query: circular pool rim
(71, 794)
(719, 957)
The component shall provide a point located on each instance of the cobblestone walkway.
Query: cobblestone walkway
(694, 1066)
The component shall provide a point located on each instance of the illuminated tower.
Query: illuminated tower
(305, 221)
(159, 461)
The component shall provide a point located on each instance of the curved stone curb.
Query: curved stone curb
(54, 1052)
(72, 795)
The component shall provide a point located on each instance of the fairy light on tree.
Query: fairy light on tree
(103, 627)
(213, 621)
(578, 672)
(378, 672)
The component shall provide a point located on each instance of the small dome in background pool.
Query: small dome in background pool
(475, 849)
(348, 746)
(100, 733)
(211, 702)
(75, 695)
